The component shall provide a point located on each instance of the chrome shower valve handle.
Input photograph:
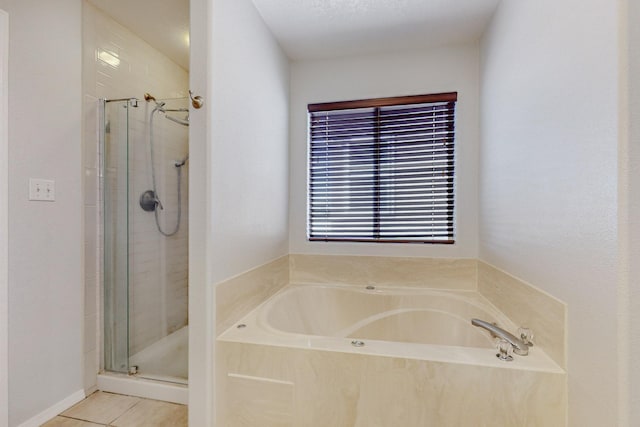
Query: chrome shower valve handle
(526, 335)
(505, 350)
(149, 201)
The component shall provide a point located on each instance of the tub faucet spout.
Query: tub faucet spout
(519, 346)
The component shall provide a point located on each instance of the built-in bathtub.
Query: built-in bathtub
(319, 355)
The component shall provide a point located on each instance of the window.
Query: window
(382, 170)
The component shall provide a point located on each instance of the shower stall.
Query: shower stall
(144, 188)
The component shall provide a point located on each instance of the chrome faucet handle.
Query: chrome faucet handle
(505, 350)
(526, 335)
(519, 347)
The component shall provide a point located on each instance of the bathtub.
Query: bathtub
(413, 323)
(344, 355)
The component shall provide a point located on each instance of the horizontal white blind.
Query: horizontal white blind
(382, 173)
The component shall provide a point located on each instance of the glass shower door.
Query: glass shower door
(145, 245)
(158, 240)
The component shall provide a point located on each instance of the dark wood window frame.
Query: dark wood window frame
(355, 193)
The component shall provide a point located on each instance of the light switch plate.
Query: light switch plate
(42, 190)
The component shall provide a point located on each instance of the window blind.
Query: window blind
(382, 170)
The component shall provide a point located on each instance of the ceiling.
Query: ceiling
(162, 24)
(309, 29)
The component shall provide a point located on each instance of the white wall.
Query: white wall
(548, 175)
(4, 215)
(244, 203)
(249, 111)
(446, 69)
(633, 213)
(45, 240)
(201, 293)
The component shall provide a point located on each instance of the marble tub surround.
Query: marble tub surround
(239, 295)
(257, 401)
(435, 273)
(292, 363)
(527, 306)
(311, 388)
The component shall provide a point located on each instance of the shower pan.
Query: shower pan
(145, 237)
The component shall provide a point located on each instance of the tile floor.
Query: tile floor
(108, 409)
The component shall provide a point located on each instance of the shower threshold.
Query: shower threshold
(162, 378)
(166, 359)
(161, 374)
(135, 386)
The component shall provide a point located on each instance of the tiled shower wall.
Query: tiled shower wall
(118, 64)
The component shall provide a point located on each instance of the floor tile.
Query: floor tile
(101, 407)
(69, 422)
(153, 413)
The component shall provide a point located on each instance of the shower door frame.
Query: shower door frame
(4, 225)
(109, 333)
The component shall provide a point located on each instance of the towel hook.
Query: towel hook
(196, 101)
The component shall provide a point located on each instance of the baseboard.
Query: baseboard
(131, 386)
(54, 410)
